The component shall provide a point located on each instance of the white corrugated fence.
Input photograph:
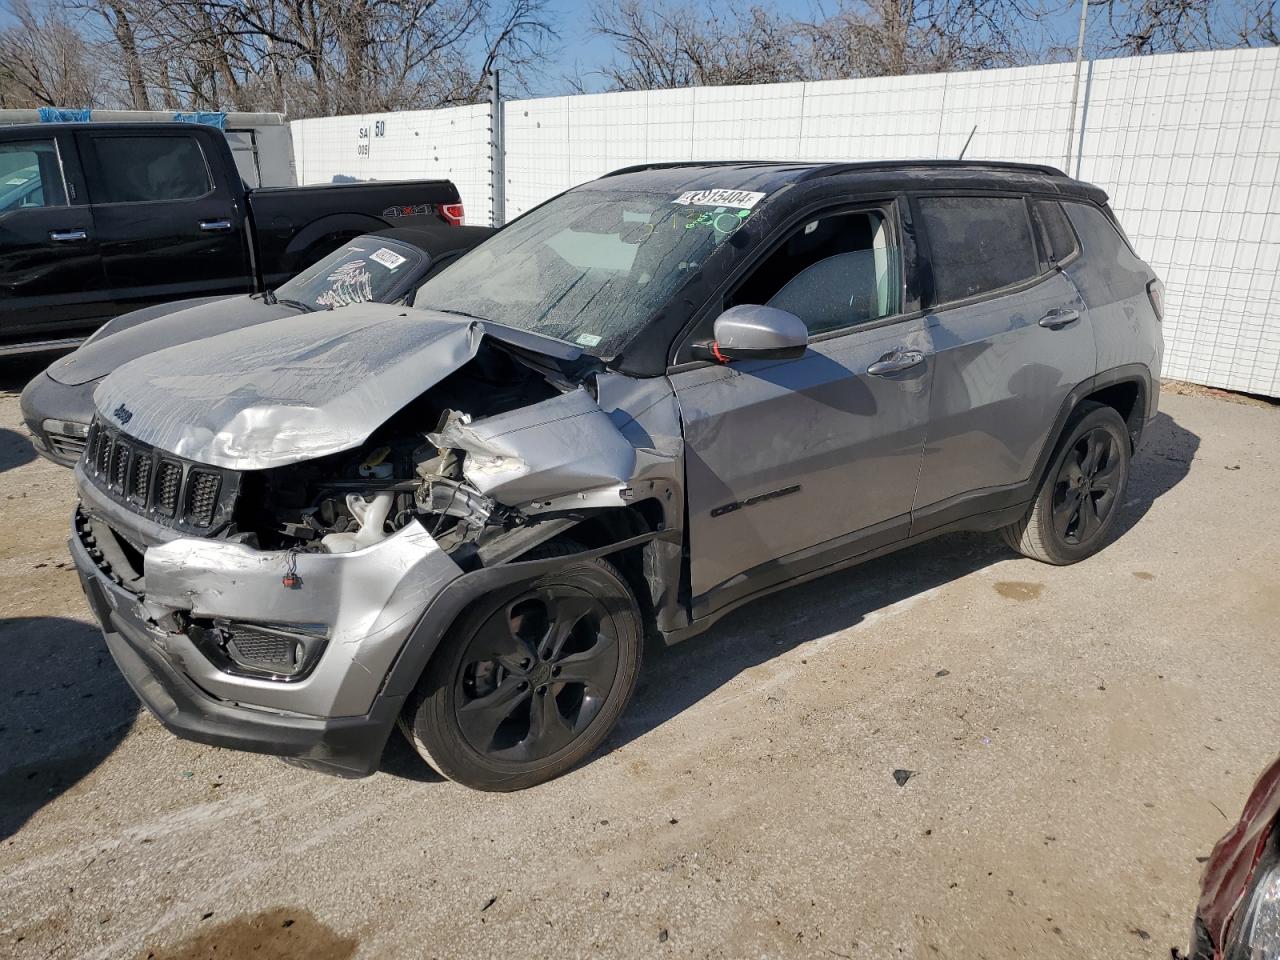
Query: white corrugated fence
(1187, 145)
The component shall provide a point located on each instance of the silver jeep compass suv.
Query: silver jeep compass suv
(644, 403)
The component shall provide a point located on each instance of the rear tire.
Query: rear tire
(531, 680)
(1075, 509)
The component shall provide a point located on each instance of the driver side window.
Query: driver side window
(834, 272)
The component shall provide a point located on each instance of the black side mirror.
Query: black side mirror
(751, 331)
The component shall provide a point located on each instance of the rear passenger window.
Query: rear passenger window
(977, 244)
(1059, 238)
(137, 169)
(832, 272)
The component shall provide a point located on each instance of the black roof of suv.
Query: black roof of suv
(872, 174)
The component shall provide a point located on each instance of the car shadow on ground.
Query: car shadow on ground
(15, 449)
(64, 707)
(676, 678)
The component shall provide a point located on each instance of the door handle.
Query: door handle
(68, 236)
(1057, 319)
(215, 226)
(896, 362)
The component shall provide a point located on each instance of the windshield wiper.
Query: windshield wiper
(298, 304)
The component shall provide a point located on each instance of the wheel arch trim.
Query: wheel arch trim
(457, 596)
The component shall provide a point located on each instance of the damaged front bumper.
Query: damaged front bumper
(385, 610)
(363, 606)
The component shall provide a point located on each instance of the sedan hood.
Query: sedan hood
(282, 392)
(129, 337)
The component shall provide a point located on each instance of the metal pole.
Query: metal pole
(497, 156)
(1075, 88)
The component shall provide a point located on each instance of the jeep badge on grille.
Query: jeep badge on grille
(122, 413)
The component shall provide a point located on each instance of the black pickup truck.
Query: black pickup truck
(100, 219)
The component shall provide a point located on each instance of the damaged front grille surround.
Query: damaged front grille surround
(167, 489)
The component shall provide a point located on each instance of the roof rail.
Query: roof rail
(827, 169)
(831, 169)
(672, 164)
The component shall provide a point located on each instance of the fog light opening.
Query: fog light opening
(269, 651)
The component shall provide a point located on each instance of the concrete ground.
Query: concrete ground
(1079, 738)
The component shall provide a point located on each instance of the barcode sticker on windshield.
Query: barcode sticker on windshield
(742, 199)
(588, 340)
(388, 258)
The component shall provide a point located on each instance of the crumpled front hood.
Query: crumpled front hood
(282, 392)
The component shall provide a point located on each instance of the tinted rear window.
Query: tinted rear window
(135, 169)
(977, 244)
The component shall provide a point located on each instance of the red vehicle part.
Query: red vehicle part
(1229, 870)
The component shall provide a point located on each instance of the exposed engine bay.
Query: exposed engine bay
(406, 470)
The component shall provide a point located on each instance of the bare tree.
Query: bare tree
(1160, 26)
(1137, 27)
(1258, 24)
(666, 44)
(45, 62)
(317, 57)
(894, 37)
(670, 44)
(117, 18)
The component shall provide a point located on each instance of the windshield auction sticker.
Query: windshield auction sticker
(388, 258)
(741, 199)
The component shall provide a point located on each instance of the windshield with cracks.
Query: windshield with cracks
(590, 267)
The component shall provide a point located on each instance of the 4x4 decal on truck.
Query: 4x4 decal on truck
(411, 210)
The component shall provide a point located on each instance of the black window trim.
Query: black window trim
(890, 203)
(926, 257)
(94, 136)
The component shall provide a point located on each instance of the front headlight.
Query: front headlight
(1255, 935)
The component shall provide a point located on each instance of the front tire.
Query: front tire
(529, 681)
(1075, 508)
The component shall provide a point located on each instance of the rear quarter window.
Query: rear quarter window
(1109, 269)
(977, 245)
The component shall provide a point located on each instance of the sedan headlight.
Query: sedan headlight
(1255, 935)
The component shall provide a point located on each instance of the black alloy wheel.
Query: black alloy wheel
(536, 673)
(1075, 508)
(531, 680)
(1085, 492)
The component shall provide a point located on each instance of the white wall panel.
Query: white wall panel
(1187, 145)
(884, 118)
(538, 151)
(450, 144)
